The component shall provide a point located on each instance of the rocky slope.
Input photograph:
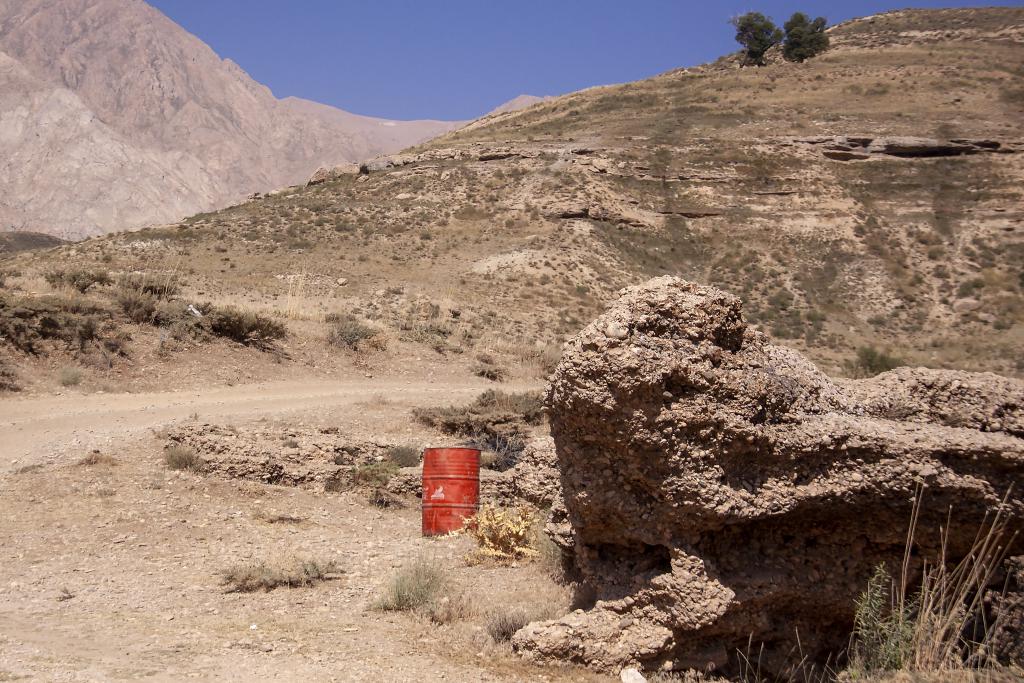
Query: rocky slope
(868, 200)
(112, 117)
(721, 492)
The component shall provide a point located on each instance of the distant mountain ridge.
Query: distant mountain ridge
(517, 103)
(112, 116)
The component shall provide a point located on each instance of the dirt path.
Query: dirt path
(42, 430)
(112, 571)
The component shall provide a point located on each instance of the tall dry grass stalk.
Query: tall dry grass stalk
(297, 299)
(941, 626)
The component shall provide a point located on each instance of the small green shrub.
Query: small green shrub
(245, 327)
(70, 377)
(181, 457)
(81, 279)
(261, 576)
(415, 586)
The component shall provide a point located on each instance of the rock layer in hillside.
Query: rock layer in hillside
(722, 491)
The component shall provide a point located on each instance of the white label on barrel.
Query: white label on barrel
(438, 494)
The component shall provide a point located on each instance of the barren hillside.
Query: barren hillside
(866, 205)
(112, 117)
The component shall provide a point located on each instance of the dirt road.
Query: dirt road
(112, 570)
(42, 430)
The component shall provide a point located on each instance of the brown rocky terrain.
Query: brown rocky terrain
(863, 207)
(721, 491)
(113, 117)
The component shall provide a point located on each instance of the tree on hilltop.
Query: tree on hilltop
(804, 38)
(757, 34)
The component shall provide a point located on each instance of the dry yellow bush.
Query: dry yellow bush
(503, 533)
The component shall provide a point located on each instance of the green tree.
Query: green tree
(757, 34)
(804, 38)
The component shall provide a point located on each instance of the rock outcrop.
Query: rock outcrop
(851, 148)
(721, 492)
(323, 175)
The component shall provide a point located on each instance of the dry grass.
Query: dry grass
(348, 332)
(180, 457)
(97, 458)
(932, 628)
(404, 456)
(70, 377)
(374, 473)
(416, 586)
(263, 576)
(502, 625)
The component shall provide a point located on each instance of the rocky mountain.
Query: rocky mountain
(112, 116)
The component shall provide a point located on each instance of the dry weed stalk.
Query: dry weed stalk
(931, 629)
(503, 534)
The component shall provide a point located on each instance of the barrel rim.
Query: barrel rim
(464, 451)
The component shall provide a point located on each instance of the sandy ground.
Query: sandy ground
(113, 571)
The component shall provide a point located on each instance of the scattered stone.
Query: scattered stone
(631, 675)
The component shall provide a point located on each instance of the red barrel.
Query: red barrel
(451, 488)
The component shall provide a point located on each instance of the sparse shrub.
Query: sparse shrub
(180, 319)
(8, 378)
(414, 587)
(374, 473)
(261, 576)
(503, 624)
(939, 627)
(496, 421)
(381, 498)
(870, 362)
(404, 456)
(490, 372)
(70, 377)
(159, 286)
(348, 332)
(81, 279)
(97, 458)
(180, 457)
(245, 327)
(757, 34)
(804, 38)
(139, 306)
(504, 449)
(448, 609)
(504, 534)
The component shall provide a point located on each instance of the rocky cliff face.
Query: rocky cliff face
(112, 117)
(722, 491)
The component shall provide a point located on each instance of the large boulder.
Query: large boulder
(721, 494)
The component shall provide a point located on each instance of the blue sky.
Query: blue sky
(457, 59)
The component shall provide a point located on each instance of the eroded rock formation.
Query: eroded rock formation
(721, 492)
